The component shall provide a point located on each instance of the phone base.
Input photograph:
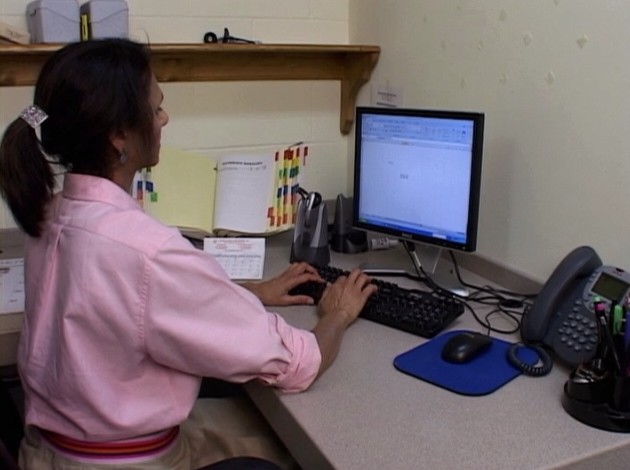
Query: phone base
(598, 415)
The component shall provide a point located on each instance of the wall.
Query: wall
(551, 75)
(218, 118)
(553, 78)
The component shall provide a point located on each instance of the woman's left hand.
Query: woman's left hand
(275, 291)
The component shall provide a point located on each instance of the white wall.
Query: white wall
(553, 78)
(217, 118)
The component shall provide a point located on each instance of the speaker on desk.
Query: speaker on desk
(344, 238)
(310, 236)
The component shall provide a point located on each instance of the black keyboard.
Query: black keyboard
(421, 313)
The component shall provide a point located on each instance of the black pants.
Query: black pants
(217, 388)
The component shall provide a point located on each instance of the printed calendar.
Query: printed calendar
(11, 285)
(242, 258)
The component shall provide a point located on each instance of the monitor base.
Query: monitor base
(429, 259)
(442, 274)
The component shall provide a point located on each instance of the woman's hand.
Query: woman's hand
(275, 291)
(346, 297)
(339, 306)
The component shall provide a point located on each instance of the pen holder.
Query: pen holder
(589, 384)
(598, 398)
(621, 394)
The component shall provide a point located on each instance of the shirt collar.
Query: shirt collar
(96, 189)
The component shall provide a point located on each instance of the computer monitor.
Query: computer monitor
(417, 177)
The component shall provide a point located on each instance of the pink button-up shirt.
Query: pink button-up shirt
(123, 316)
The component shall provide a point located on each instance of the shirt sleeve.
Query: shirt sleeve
(198, 321)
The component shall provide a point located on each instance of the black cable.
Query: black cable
(544, 359)
(422, 275)
(429, 282)
(504, 298)
(506, 303)
(485, 322)
(486, 288)
(511, 316)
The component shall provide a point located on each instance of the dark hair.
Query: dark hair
(89, 90)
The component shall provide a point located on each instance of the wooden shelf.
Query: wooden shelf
(351, 65)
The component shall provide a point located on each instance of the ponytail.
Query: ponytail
(27, 180)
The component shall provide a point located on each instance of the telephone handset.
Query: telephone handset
(562, 316)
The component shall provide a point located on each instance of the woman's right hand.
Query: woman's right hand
(338, 307)
(346, 296)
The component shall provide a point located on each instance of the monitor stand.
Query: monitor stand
(436, 268)
(440, 271)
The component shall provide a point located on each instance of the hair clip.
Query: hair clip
(34, 116)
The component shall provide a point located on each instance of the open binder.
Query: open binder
(238, 194)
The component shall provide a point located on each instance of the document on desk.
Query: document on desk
(11, 285)
(242, 258)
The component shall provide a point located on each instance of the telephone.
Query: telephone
(562, 316)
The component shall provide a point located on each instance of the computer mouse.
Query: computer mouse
(465, 346)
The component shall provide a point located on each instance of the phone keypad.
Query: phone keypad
(577, 334)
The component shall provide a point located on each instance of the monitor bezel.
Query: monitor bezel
(478, 120)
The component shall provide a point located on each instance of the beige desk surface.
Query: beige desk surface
(364, 414)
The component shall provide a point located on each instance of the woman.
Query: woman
(123, 316)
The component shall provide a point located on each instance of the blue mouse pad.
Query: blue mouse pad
(482, 375)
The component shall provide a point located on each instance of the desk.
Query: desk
(11, 246)
(364, 414)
